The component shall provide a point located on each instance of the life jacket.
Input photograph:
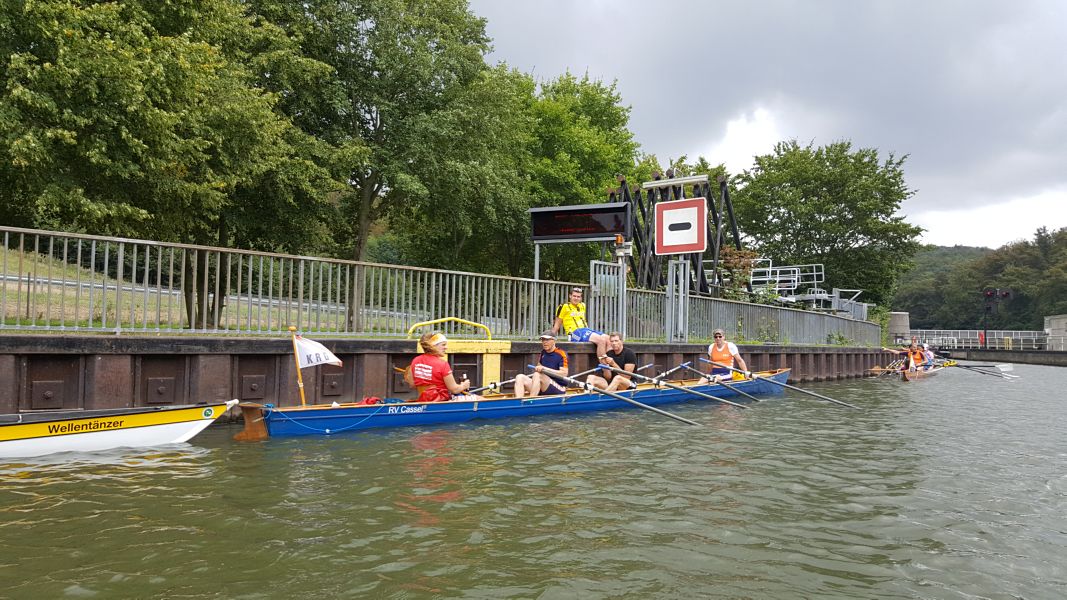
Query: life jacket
(723, 357)
(918, 357)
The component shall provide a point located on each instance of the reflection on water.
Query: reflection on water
(951, 487)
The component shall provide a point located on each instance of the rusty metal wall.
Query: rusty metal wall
(87, 372)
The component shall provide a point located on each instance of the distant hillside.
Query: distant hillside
(932, 261)
(945, 289)
(920, 287)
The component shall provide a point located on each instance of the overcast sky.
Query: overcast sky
(973, 91)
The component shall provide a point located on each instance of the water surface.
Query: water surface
(952, 487)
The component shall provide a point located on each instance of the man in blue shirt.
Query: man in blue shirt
(551, 364)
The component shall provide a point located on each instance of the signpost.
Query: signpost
(681, 226)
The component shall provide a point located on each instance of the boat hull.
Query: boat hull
(921, 373)
(331, 420)
(38, 434)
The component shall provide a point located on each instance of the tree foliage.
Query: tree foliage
(581, 142)
(831, 205)
(141, 119)
(923, 287)
(397, 65)
(514, 146)
(356, 128)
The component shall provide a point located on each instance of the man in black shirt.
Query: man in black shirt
(619, 357)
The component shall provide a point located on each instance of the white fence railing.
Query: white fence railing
(52, 281)
(971, 339)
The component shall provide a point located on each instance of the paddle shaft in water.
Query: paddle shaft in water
(672, 386)
(591, 388)
(785, 385)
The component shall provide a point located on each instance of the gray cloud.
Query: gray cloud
(973, 91)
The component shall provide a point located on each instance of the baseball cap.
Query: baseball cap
(548, 335)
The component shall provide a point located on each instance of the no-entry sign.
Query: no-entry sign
(681, 226)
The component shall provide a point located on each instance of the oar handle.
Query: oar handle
(726, 385)
(748, 374)
(496, 385)
(633, 384)
(664, 374)
(676, 387)
(591, 388)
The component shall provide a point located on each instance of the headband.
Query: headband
(437, 339)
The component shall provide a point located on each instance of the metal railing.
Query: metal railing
(53, 281)
(971, 339)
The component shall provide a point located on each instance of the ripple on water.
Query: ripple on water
(946, 488)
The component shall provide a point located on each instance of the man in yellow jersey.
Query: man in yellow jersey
(725, 353)
(571, 317)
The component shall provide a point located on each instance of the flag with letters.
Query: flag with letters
(310, 353)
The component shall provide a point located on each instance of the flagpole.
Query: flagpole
(296, 359)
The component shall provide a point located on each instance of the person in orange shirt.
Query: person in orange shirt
(915, 356)
(725, 353)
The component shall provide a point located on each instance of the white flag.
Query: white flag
(310, 353)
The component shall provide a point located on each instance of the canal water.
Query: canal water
(951, 487)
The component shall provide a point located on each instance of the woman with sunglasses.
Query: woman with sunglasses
(725, 353)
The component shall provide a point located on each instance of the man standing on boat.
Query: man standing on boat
(725, 353)
(552, 362)
(571, 317)
(619, 357)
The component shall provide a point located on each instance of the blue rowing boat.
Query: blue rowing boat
(264, 420)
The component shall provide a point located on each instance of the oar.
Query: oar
(672, 386)
(592, 388)
(892, 367)
(785, 385)
(1002, 368)
(664, 374)
(725, 385)
(496, 385)
(971, 368)
(990, 373)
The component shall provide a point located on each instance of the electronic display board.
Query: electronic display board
(579, 223)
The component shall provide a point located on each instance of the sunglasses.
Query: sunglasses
(718, 335)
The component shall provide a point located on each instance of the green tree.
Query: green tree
(473, 216)
(831, 205)
(395, 63)
(581, 142)
(1033, 272)
(136, 118)
(922, 290)
(500, 148)
(145, 119)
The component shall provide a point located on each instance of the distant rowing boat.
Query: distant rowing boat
(263, 421)
(37, 434)
(911, 375)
